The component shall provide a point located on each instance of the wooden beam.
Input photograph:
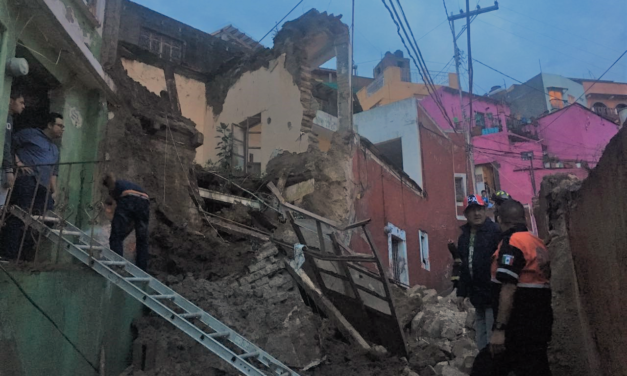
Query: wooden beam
(234, 229)
(228, 199)
(327, 307)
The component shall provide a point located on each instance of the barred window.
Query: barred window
(162, 45)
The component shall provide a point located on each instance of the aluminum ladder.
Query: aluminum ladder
(222, 341)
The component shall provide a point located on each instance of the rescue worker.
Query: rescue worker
(133, 208)
(498, 198)
(522, 302)
(477, 243)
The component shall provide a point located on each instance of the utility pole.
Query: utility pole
(452, 19)
(528, 156)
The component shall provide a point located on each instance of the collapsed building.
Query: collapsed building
(149, 99)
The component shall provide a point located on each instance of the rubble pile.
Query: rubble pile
(441, 337)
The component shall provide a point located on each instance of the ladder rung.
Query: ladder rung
(220, 335)
(113, 263)
(46, 219)
(68, 233)
(84, 246)
(249, 355)
(138, 279)
(165, 297)
(191, 315)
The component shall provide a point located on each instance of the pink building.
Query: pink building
(569, 140)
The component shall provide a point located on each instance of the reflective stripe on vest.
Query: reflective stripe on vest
(536, 272)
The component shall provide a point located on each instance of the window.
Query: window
(480, 119)
(460, 192)
(555, 96)
(424, 250)
(460, 189)
(397, 254)
(162, 45)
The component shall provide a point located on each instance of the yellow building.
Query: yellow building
(392, 83)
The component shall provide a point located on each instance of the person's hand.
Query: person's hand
(497, 342)
(10, 180)
(461, 303)
(27, 170)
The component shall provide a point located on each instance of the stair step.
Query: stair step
(114, 263)
(46, 219)
(196, 315)
(138, 279)
(249, 355)
(68, 233)
(220, 335)
(163, 297)
(94, 247)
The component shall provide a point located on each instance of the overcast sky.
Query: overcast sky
(574, 38)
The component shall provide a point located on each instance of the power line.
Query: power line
(278, 23)
(54, 324)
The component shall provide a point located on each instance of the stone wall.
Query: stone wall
(588, 232)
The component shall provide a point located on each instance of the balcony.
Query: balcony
(522, 127)
(607, 112)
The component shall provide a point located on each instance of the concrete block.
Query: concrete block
(451, 371)
(267, 250)
(300, 190)
(430, 297)
(417, 322)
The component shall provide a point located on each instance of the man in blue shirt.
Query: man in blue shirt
(7, 177)
(133, 207)
(37, 159)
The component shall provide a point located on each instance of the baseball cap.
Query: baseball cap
(473, 200)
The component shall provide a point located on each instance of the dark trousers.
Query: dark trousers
(131, 210)
(522, 360)
(24, 190)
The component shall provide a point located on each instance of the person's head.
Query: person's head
(108, 180)
(16, 102)
(54, 125)
(500, 197)
(474, 210)
(484, 193)
(511, 213)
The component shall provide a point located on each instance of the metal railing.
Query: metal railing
(607, 112)
(19, 241)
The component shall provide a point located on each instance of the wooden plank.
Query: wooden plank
(331, 257)
(323, 246)
(329, 309)
(308, 258)
(338, 251)
(276, 192)
(356, 224)
(295, 208)
(229, 199)
(235, 229)
(362, 288)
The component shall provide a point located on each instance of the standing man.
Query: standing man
(479, 240)
(7, 177)
(37, 153)
(522, 302)
(499, 198)
(133, 206)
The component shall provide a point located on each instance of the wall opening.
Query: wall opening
(460, 192)
(424, 250)
(247, 145)
(393, 151)
(397, 254)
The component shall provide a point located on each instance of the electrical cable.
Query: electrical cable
(278, 23)
(54, 324)
(585, 92)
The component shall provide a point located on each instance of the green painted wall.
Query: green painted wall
(93, 313)
(83, 109)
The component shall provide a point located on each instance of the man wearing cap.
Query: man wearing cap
(479, 240)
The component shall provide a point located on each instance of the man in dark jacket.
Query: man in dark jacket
(133, 207)
(479, 240)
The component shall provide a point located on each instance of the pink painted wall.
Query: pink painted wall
(450, 100)
(576, 134)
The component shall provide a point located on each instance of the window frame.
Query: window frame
(465, 191)
(424, 250)
(395, 233)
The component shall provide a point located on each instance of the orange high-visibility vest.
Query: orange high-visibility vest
(537, 270)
